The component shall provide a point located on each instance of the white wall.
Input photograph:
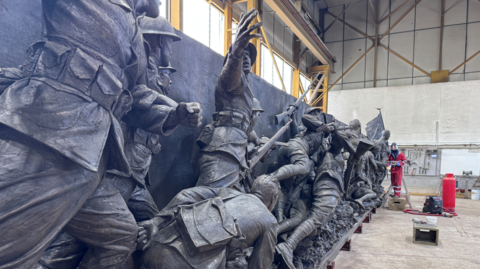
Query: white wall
(411, 112)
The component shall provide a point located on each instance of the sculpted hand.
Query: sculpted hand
(244, 32)
(189, 114)
(147, 231)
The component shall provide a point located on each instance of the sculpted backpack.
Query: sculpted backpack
(206, 225)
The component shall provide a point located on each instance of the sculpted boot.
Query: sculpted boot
(286, 248)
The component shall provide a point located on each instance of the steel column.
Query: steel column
(176, 14)
(227, 26)
(442, 20)
(256, 41)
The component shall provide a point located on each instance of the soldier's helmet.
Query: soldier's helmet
(311, 109)
(158, 26)
(257, 106)
(169, 67)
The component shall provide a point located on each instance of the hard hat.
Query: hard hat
(256, 105)
(158, 26)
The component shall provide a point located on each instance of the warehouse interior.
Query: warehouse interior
(415, 62)
(408, 66)
(422, 73)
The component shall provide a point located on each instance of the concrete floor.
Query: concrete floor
(387, 241)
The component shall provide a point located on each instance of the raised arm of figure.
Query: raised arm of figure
(230, 78)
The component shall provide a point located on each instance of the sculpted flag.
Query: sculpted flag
(375, 127)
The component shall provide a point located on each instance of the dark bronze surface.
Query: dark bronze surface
(98, 156)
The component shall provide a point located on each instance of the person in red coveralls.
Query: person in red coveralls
(396, 160)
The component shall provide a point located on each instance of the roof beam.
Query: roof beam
(290, 19)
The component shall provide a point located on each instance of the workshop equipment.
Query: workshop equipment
(476, 190)
(448, 194)
(467, 174)
(396, 204)
(425, 234)
(387, 194)
(433, 205)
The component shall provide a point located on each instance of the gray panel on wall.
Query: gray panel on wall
(421, 80)
(473, 11)
(473, 45)
(316, 13)
(288, 43)
(336, 48)
(337, 87)
(303, 64)
(242, 6)
(402, 44)
(427, 49)
(472, 76)
(380, 83)
(382, 60)
(428, 14)
(453, 52)
(312, 8)
(383, 10)
(335, 33)
(278, 31)
(408, 23)
(456, 77)
(353, 49)
(268, 24)
(356, 15)
(353, 86)
(21, 23)
(455, 12)
(399, 82)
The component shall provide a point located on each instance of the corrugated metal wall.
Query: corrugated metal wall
(416, 38)
(281, 36)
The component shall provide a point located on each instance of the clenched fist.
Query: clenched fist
(189, 114)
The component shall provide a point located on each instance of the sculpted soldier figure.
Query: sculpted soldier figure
(361, 189)
(230, 222)
(303, 148)
(60, 131)
(224, 143)
(299, 158)
(327, 190)
(158, 34)
(383, 150)
(139, 147)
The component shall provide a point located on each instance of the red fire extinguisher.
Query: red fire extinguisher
(448, 195)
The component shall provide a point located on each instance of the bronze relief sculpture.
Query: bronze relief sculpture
(82, 118)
